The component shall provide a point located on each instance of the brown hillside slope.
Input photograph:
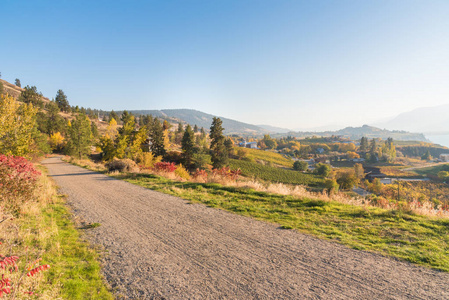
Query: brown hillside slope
(15, 91)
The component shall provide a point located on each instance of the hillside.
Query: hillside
(15, 91)
(201, 119)
(424, 119)
(355, 133)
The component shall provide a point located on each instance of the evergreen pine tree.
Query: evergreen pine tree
(188, 146)
(364, 144)
(217, 144)
(61, 100)
(113, 115)
(157, 139)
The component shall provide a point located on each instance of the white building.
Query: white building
(444, 157)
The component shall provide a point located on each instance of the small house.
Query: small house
(444, 157)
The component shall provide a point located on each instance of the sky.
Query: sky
(292, 64)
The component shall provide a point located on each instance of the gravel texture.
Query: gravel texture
(160, 246)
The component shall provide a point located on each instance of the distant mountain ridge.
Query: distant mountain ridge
(201, 119)
(355, 133)
(425, 119)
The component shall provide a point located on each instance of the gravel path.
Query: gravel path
(160, 246)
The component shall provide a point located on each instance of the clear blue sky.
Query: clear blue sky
(295, 64)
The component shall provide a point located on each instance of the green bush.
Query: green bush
(300, 165)
(323, 169)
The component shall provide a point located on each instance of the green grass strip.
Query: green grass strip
(74, 265)
(414, 238)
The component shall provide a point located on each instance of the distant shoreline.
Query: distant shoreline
(441, 139)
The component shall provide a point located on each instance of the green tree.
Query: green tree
(373, 150)
(113, 115)
(80, 136)
(229, 144)
(347, 179)
(269, 142)
(331, 186)
(62, 102)
(157, 139)
(16, 126)
(426, 156)
(148, 120)
(300, 165)
(180, 129)
(2, 88)
(195, 129)
(125, 137)
(217, 144)
(30, 95)
(323, 169)
(388, 150)
(364, 144)
(359, 171)
(443, 175)
(188, 146)
(107, 146)
(94, 129)
(17, 82)
(55, 123)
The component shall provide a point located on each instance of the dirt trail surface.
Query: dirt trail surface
(159, 246)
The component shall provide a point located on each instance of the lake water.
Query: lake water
(443, 140)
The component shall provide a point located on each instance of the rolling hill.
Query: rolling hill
(201, 119)
(355, 133)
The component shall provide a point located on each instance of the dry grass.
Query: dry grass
(298, 191)
(17, 239)
(86, 163)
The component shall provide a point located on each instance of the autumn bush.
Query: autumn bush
(122, 165)
(182, 172)
(147, 159)
(18, 181)
(165, 167)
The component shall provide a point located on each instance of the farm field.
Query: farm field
(273, 174)
(268, 156)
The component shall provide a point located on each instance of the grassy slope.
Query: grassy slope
(431, 170)
(414, 238)
(268, 156)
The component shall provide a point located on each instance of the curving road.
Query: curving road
(160, 246)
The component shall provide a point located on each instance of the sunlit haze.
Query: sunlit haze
(294, 64)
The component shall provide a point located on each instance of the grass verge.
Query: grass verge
(414, 238)
(46, 227)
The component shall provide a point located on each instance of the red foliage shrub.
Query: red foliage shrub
(18, 179)
(165, 167)
(226, 172)
(200, 174)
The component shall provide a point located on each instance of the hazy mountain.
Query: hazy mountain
(201, 119)
(425, 119)
(355, 133)
(274, 129)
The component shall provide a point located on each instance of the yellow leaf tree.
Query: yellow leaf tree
(56, 141)
(16, 126)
